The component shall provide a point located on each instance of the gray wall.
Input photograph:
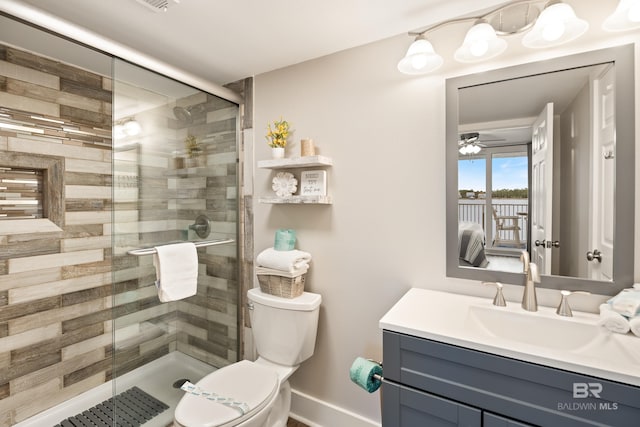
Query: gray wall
(385, 231)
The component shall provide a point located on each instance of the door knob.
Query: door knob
(596, 254)
(542, 243)
(554, 244)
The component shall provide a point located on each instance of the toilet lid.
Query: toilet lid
(243, 381)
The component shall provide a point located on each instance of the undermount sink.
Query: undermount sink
(533, 328)
(575, 343)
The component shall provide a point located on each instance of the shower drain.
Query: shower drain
(132, 408)
(179, 382)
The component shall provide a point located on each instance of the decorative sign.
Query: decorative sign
(313, 183)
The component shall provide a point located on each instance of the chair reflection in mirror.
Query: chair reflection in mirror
(507, 229)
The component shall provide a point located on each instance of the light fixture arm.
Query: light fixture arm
(476, 18)
(440, 25)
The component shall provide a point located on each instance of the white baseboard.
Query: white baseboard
(317, 413)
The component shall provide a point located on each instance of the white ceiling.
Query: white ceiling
(226, 40)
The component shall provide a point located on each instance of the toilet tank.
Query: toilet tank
(284, 329)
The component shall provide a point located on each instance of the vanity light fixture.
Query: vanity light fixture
(556, 24)
(626, 17)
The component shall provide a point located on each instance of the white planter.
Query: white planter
(277, 152)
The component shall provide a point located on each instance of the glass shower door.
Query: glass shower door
(175, 178)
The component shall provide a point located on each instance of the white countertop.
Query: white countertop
(541, 337)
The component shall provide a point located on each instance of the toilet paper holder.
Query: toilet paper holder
(366, 374)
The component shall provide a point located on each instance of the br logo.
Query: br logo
(585, 390)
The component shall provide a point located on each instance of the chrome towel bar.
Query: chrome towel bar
(199, 244)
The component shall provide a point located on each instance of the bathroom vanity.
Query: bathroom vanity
(457, 360)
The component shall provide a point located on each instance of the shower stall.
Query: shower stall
(102, 160)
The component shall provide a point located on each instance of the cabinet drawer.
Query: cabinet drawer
(493, 420)
(405, 407)
(516, 389)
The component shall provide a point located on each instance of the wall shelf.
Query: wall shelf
(296, 162)
(299, 163)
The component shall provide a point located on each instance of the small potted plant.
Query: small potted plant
(195, 156)
(277, 134)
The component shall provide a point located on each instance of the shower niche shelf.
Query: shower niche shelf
(301, 163)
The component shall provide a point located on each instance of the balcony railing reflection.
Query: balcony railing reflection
(514, 213)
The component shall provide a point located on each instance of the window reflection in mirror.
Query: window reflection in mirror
(502, 212)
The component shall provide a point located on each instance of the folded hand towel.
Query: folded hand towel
(283, 260)
(176, 271)
(626, 302)
(613, 321)
(634, 324)
(295, 273)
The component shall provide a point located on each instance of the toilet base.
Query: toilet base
(280, 411)
(275, 414)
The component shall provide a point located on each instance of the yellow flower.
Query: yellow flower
(277, 137)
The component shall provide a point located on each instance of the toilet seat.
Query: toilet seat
(244, 381)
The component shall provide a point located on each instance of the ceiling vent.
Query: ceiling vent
(157, 5)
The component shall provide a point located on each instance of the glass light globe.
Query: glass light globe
(479, 47)
(418, 62)
(481, 42)
(557, 24)
(421, 58)
(626, 17)
(553, 31)
(634, 12)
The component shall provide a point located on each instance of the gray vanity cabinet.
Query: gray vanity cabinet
(431, 383)
(404, 406)
(493, 420)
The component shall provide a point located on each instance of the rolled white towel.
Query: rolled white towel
(626, 303)
(289, 261)
(613, 321)
(634, 324)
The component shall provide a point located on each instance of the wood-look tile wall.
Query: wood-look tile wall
(55, 274)
(154, 203)
(63, 287)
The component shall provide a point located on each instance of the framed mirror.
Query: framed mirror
(541, 158)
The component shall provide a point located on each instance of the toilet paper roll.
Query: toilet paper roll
(363, 373)
(285, 240)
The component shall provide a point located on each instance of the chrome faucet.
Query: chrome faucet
(564, 309)
(530, 269)
(498, 300)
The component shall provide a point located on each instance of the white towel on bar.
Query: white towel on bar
(289, 261)
(176, 271)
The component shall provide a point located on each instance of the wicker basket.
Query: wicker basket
(285, 287)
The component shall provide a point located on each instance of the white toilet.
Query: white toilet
(284, 332)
